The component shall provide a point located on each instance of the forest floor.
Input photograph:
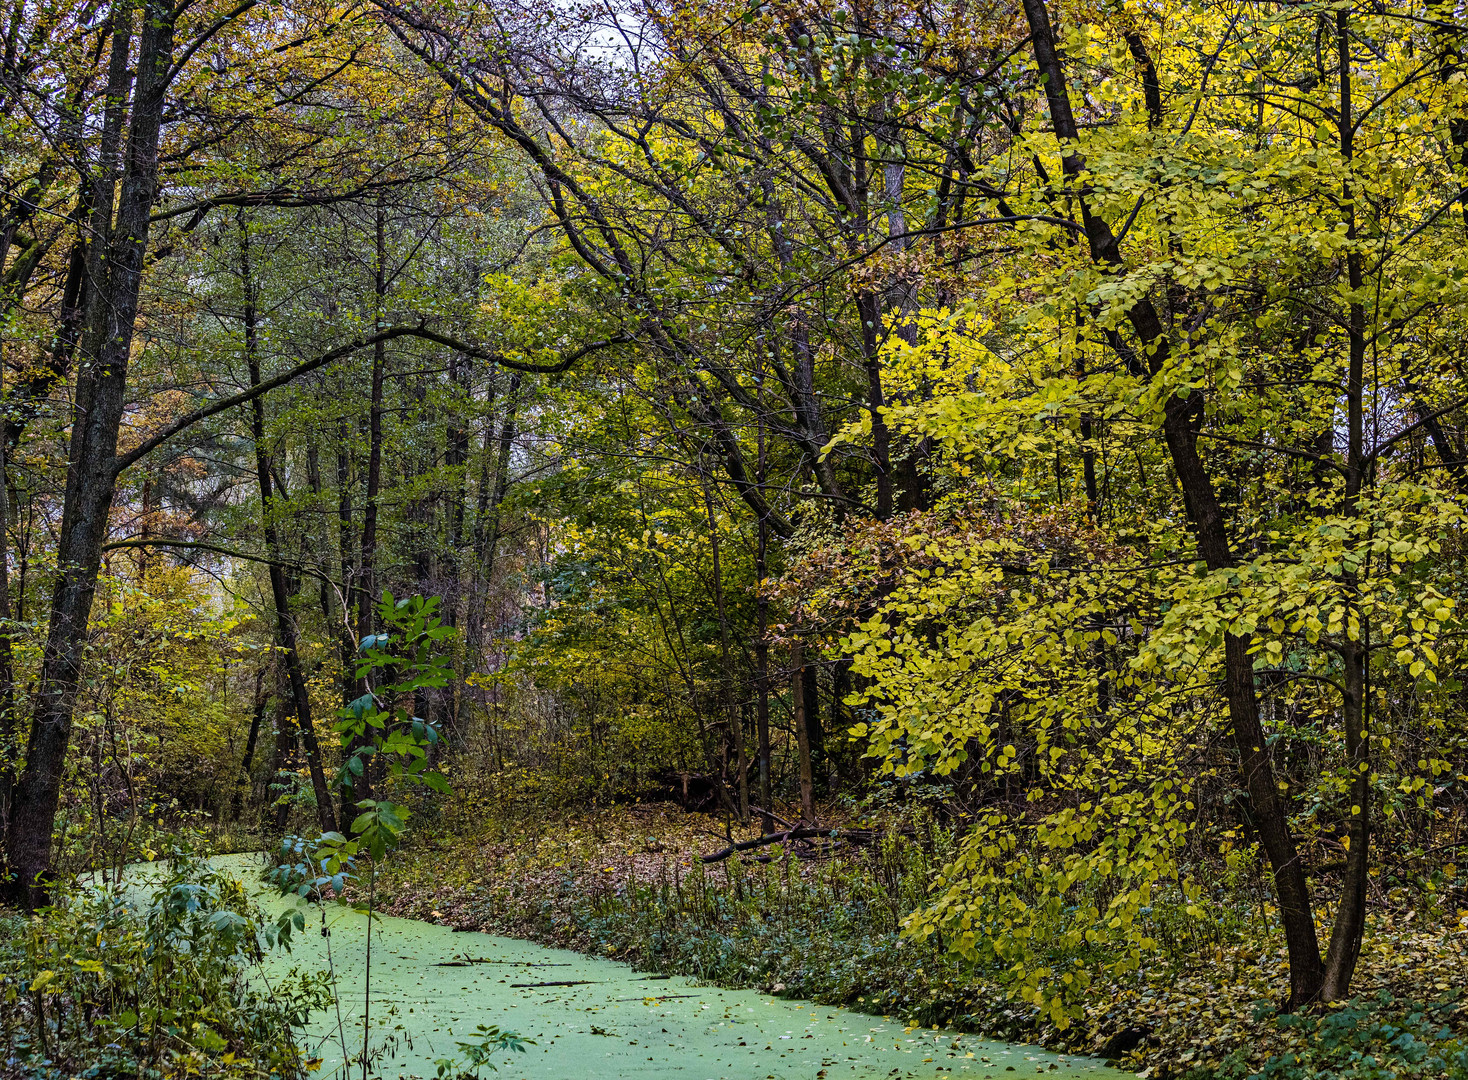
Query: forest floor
(629, 884)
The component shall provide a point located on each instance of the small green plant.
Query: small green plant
(380, 735)
(1376, 1040)
(475, 1053)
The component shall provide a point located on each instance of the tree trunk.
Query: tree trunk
(1350, 921)
(1179, 428)
(367, 565)
(869, 310)
(285, 627)
(367, 562)
(802, 734)
(285, 741)
(9, 752)
(762, 683)
(815, 730)
(488, 528)
(247, 763)
(456, 457)
(731, 711)
(346, 545)
(112, 304)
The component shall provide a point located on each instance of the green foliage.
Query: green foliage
(405, 659)
(156, 979)
(475, 1052)
(1376, 1040)
(156, 732)
(829, 929)
(397, 663)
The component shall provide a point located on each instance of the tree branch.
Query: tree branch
(195, 545)
(419, 330)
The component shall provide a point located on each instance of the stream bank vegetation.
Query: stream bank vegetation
(1003, 468)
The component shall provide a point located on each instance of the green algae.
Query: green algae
(595, 1019)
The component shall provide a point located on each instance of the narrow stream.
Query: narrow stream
(597, 1019)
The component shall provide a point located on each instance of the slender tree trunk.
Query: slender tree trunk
(9, 752)
(869, 310)
(362, 787)
(346, 545)
(456, 457)
(762, 604)
(762, 683)
(325, 594)
(838, 725)
(814, 730)
(1449, 35)
(285, 742)
(731, 711)
(489, 525)
(368, 561)
(247, 763)
(802, 733)
(1350, 921)
(285, 627)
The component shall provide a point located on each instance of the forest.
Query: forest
(949, 510)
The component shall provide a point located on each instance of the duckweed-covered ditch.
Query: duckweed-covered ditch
(590, 1018)
(163, 977)
(633, 887)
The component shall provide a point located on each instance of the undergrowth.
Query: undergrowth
(154, 981)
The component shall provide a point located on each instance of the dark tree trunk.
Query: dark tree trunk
(802, 732)
(285, 743)
(869, 310)
(762, 683)
(9, 752)
(280, 594)
(115, 281)
(1182, 415)
(735, 731)
(488, 527)
(815, 731)
(347, 544)
(247, 763)
(367, 564)
(838, 724)
(1350, 920)
(456, 457)
(362, 786)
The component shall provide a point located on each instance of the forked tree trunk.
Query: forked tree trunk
(1182, 415)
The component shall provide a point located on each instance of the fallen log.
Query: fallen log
(858, 837)
(801, 833)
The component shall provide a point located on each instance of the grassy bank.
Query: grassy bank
(630, 884)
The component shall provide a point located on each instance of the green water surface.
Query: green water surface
(431, 986)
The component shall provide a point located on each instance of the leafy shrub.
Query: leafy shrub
(1380, 1040)
(152, 981)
